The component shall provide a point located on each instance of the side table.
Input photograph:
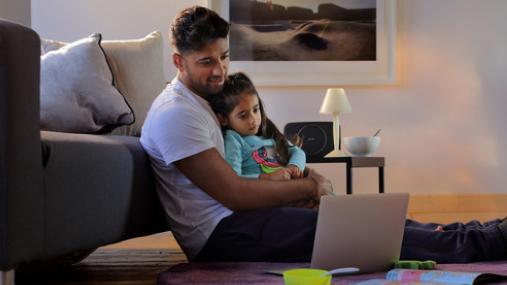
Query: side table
(354, 161)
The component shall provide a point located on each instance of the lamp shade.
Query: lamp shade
(335, 102)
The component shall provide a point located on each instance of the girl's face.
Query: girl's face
(245, 119)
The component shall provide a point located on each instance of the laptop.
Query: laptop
(360, 230)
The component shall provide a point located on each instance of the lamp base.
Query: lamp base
(336, 153)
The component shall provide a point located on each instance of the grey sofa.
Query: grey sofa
(62, 192)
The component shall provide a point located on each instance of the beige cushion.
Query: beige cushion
(138, 72)
(77, 93)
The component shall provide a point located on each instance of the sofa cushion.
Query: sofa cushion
(77, 92)
(138, 72)
(105, 187)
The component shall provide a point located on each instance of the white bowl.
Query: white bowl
(361, 146)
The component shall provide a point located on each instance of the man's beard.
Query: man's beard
(206, 89)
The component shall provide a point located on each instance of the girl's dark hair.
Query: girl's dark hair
(196, 27)
(237, 84)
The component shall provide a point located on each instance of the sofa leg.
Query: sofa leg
(7, 278)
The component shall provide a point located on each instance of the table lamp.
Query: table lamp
(336, 103)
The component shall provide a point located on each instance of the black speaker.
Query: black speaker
(316, 137)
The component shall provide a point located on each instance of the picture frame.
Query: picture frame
(382, 71)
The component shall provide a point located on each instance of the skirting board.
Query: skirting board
(449, 208)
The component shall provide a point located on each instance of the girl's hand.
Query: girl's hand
(294, 171)
(280, 174)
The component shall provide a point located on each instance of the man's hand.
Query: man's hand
(307, 204)
(324, 186)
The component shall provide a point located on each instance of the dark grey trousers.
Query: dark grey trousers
(286, 234)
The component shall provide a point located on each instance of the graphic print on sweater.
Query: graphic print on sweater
(266, 160)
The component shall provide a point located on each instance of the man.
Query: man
(216, 215)
(198, 188)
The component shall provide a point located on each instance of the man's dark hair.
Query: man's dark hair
(196, 27)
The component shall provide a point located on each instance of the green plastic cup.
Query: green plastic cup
(306, 277)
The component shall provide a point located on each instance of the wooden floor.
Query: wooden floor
(140, 261)
(136, 261)
(450, 208)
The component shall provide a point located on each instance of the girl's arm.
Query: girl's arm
(297, 159)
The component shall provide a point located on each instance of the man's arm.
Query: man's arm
(211, 173)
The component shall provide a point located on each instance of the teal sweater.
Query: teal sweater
(251, 156)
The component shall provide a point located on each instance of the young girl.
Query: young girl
(254, 147)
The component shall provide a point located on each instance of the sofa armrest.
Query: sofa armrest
(21, 180)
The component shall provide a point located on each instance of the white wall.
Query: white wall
(17, 11)
(443, 124)
(67, 21)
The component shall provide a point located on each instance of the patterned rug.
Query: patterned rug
(219, 273)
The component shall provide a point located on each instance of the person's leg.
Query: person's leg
(282, 234)
(452, 226)
(456, 243)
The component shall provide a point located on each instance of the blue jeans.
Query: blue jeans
(286, 234)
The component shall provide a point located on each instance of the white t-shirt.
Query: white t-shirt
(181, 124)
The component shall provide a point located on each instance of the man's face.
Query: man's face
(204, 71)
